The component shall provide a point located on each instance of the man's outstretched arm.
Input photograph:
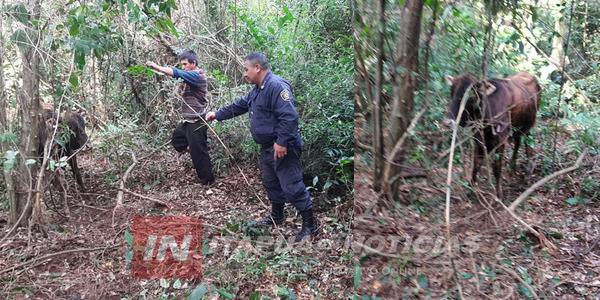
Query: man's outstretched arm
(165, 70)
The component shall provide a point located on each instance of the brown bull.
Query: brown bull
(70, 141)
(511, 104)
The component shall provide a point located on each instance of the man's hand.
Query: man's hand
(151, 64)
(154, 66)
(280, 151)
(210, 116)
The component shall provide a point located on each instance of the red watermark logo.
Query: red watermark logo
(167, 247)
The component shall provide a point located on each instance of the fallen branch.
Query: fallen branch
(123, 179)
(167, 204)
(545, 243)
(542, 181)
(571, 282)
(517, 277)
(52, 255)
(363, 146)
(404, 257)
(592, 247)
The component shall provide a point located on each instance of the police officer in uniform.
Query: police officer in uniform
(274, 125)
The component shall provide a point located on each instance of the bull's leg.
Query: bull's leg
(529, 152)
(76, 172)
(62, 190)
(517, 139)
(478, 156)
(499, 153)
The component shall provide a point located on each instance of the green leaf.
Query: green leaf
(465, 184)
(19, 12)
(357, 275)
(51, 165)
(271, 30)
(79, 58)
(164, 283)
(466, 275)
(530, 142)
(30, 162)
(523, 290)
(74, 80)
(129, 255)
(10, 159)
(327, 185)
(572, 201)
(160, 24)
(422, 281)
(556, 235)
(430, 3)
(177, 284)
(20, 38)
(74, 30)
(255, 295)
(129, 238)
(224, 294)
(315, 180)
(198, 293)
(286, 293)
(28, 291)
(172, 26)
(59, 141)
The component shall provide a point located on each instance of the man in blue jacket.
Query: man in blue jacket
(274, 125)
(190, 135)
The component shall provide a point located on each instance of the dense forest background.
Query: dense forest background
(409, 202)
(87, 57)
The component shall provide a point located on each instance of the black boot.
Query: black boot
(309, 226)
(276, 217)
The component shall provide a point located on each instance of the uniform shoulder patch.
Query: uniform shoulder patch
(285, 95)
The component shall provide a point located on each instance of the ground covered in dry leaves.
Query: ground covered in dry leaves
(401, 247)
(83, 255)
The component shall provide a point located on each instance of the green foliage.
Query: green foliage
(285, 293)
(9, 159)
(198, 292)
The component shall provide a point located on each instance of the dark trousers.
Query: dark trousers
(194, 135)
(282, 178)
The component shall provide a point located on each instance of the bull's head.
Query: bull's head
(458, 87)
(78, 137)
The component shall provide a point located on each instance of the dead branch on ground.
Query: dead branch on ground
(52, 255)
(518, 278)
(543, 181)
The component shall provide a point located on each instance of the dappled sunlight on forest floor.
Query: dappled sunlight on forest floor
(234, 261)
(403, 254)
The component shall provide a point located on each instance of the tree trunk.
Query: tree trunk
(407, 60)
(558, 41)
(3, 116)
(377, 132)
(3, 112)
(21, 200)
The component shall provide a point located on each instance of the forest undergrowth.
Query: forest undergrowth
(82, 256)
(403, 249)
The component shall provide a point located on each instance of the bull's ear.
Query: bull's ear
(489, 88)
(449, 79)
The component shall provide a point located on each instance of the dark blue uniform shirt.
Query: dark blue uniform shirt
(273, 117)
